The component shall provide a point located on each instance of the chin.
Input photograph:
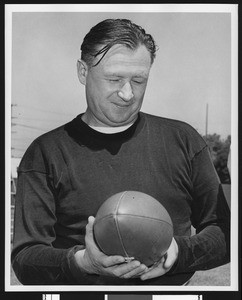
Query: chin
(119, 121)
(118, 117)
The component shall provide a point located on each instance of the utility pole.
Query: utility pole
(12, 124)
(12, 105)
(206, 124)
(12, 117)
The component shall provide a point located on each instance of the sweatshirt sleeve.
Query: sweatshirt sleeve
(210, 246)
(34, 259)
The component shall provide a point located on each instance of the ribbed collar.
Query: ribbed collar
(86, 136)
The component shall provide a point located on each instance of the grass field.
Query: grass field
(215, 277)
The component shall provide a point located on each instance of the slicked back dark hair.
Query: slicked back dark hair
(110, 32)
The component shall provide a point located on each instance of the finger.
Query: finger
(135, 272)
(155, 271)
(169, 261)
(90, 223)
(89, 226)
(91, 219)
(125, 268)
(109, 261)
(171, 255)
(89, 237)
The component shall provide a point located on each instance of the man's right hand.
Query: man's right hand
(93, 261)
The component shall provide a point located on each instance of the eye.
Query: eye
(138, 81)
(114, 80)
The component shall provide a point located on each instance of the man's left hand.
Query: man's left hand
(164, 264)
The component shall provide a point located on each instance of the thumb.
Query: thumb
(171, 255)
(91, 220)
(169, 260)
(89, 226)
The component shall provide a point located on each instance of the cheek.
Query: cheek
(100, 89)
(98, 96)
(139, 92)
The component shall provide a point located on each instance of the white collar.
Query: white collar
(110, 130)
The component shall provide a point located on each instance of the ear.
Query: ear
(82, 70)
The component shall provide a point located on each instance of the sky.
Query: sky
(192, 69)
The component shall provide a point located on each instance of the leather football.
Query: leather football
(134, 225)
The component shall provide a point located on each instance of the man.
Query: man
(67, 174)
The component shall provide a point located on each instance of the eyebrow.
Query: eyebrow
(113, 74)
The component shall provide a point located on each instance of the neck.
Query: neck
(111, 130)
(92, 121)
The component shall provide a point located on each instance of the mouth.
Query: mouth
(122, 105)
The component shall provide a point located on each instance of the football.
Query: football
(134, 225)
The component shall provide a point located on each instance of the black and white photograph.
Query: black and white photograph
(121, 147)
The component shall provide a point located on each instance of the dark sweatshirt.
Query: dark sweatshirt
(66, 174)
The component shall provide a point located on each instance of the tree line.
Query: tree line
(219, 149)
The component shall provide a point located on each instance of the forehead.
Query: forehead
(120, 59)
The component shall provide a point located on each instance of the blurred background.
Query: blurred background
(190, 79)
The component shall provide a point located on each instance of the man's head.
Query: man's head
(116, 59)
(111, 32)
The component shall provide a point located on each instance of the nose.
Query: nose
(126, 92)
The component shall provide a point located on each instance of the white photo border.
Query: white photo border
(142, 8)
